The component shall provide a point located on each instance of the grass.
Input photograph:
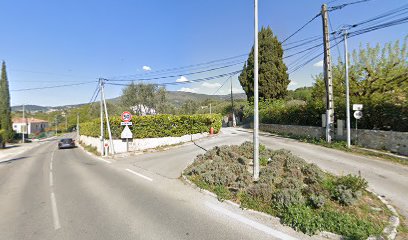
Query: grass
(342, 146)
(300, 194)
(90, 149)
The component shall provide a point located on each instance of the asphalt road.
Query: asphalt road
(47, 193)
(385, 178)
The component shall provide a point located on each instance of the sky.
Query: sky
(46, 43)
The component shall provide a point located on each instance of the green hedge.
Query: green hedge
(154, 126)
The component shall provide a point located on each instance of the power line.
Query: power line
(173, 76)
(222, 84)
(185, 82)
(345, 5)
(56, 86)
(300, 29)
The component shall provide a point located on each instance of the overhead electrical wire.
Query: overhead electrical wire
(55, 86)
(338, 7)
(302, 27)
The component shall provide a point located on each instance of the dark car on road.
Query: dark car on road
(66, 143)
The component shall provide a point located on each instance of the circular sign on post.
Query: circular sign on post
(126, 116)
(358, 114)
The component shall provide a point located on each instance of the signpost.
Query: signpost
(357, 108)
(126, 133)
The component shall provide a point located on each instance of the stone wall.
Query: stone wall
(396, 142)
(141, 144)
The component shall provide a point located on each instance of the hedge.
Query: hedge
(155, 126)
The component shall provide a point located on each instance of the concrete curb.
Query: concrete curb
(91, 154)
(390, 230)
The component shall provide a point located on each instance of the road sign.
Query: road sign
(126, 133)
(126, 116)
(126, 123)
(358, 114)
(357, 107)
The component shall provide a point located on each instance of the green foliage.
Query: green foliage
(379, 80)
(303, 94)
(273, 78)
(301, 194)
(140, 98)
(5, 110)
(153, 126)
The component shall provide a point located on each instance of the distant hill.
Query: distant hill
(175, 97)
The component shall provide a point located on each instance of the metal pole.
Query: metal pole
(347, 89)
(101, 117)
(256, 120)
(25, 125)
(127, 144)
(234, 123)
(356, 132)
(77, 128)
(112, 149)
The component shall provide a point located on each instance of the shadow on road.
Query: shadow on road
(12, 160)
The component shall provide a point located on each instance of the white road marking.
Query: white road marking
(51, 180)
(249, 222)
(138, 174)
(55, 212)
(107, 161)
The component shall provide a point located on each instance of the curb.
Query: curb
(394, 221)
(92, 155)
(390, 230)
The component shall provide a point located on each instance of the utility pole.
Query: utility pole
(210, 108)
(101, 117)
(112, 150)
(347, 89)
(77, 127)
(327, 75)
(25, 125)
(256, 119)
(234, 123)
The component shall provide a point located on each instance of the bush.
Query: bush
(355, 183)
(154, 126)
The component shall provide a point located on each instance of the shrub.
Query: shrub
(355, 183)
(153, 126)
(288, 197)
(317, 201)
(345, 196)
(303, 218)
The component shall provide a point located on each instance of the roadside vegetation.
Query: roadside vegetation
(90, 148)
(300, 194)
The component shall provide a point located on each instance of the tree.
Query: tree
(273, 78)
(144, 99)
(378, 79)
(5, 110)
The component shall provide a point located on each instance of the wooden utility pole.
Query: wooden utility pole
(328, 76)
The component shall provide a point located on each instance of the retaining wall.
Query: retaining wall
(141, 144)
(396, 142)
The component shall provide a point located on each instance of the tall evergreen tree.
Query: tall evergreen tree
(5, 110)
(273, 79)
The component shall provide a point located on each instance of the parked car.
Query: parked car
(66, 143)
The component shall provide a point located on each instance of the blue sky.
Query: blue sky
(46, 43)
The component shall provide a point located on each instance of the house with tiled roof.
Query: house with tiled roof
(29, 125)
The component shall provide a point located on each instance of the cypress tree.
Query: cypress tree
(273, 79)
(5, 109)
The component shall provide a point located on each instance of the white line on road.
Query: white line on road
(55, 212)
(100, 159)
(249, 222)
(138, 174)
(51, 180)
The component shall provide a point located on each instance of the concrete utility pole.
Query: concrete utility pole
(328, 76)
(25, 125)
(112, 149)
(101, 117)
(256, 119)
(347, 89)
(234, 122)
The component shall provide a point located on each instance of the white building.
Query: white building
(33, 125)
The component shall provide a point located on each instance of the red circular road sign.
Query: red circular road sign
(126, 116)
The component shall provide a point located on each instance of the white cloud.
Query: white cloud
(147, 68)
(318, 64)
(192, 90)
(292, 83)
(182, 79)
(211, 85)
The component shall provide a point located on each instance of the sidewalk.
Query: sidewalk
(14, 150)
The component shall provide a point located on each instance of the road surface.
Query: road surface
(47, 193)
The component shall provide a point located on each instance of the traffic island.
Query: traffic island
(302, 195)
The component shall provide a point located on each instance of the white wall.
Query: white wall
(142, 144)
